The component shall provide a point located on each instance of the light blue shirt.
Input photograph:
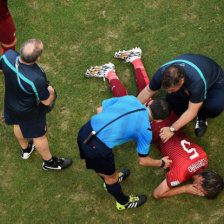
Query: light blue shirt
(132, 126)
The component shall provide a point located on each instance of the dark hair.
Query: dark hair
(172, 76)
(160, 109)
(35, 53)
(212, 183)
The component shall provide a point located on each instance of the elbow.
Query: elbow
(141, 161)
(46, 102)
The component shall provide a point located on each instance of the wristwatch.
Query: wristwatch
(172, 129)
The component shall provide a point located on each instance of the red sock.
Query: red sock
(117, 88)
(111, 75)
(140, 74)
(4, 49)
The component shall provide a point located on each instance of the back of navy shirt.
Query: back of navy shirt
(23, 87)
(193, 82)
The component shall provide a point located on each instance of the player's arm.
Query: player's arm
(143, 144)
(185, 118)
(146, 94)
(148, 161)
(164, 191)
(51, 97)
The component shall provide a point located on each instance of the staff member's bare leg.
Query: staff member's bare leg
(41, 144)
(22, 141)
(42, 147)
(27, 147)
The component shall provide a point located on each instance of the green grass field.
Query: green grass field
(76, 35)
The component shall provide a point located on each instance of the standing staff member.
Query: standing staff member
(7, 28)
(26, 85)
(195, 86)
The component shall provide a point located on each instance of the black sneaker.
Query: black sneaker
(25, 154)
(200, 127)
(134, 201)
(123, 174)
(57, 164)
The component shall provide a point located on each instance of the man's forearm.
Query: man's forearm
(147, 161)
(184, 119)
(50, 98)
(145, 94)
(172, 192)
(187, 116)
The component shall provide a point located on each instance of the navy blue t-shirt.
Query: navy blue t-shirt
(200, 71)
(24, 87)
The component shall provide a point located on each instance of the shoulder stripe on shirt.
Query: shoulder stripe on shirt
(21, 76)
(195, 67)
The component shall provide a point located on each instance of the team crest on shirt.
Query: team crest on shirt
(175, 183)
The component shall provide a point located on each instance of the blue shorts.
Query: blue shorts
(97, 155)
(30, 129)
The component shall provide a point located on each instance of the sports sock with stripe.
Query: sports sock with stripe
(117, 88)
(140, 74)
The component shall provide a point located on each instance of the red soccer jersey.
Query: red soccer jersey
(4, 12)
(188, 158)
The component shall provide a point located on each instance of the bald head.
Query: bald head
(172, 76)
(31, 50)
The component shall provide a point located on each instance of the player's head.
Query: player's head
(212, 183)
(31, 50)
(173, 78)
(160, 109)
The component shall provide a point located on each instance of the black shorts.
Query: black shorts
(97, 155)
(30, 129)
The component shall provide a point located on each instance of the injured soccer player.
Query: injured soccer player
(188, 161)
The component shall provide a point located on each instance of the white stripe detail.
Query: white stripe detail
(52, 168)
(140, 67)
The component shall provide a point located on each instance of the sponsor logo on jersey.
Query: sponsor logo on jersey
(195, 166)
(174, 183)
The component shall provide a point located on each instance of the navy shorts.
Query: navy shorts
(97, 155)
(30, 129)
